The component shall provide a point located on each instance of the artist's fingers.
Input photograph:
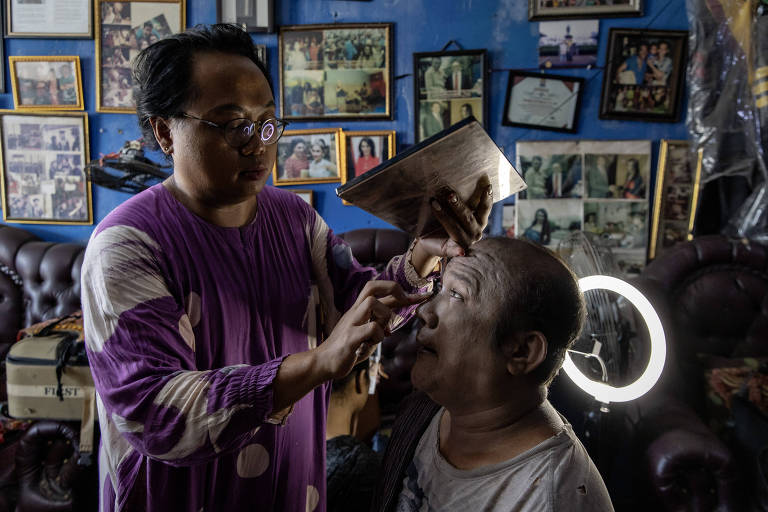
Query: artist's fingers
(483, 209)
(380, 289)
(410, 298)
(453, 228)
(457, 219)
(481, 188)
(441, 247)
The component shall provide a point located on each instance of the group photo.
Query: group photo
(308, 156)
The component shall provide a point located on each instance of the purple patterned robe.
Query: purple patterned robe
(186, 326)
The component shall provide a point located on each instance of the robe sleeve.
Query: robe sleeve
(341, 277)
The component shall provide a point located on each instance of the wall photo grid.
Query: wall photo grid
(599, 187)
(42, 165)
(344, 71)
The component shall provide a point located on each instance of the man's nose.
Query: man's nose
(426, 314)
(254, 146)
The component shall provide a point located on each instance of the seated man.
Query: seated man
(351, 466)
(480, 434)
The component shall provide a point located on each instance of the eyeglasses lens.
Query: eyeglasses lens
(239, 132)
(271, 130)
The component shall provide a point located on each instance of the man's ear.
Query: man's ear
(525, 352)
(361, 382)
(162, 130)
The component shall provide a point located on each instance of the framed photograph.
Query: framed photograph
(607, 180)
(568, 44)
(47, 83)
(122, 30)
(617, 176)
(365, 150)
(42, 163)
(339, 71)
(543, 102)
(49, 19)
(449, 87)
(643, 76)
(547, 222)
(678, 182)
(310, 156)
(307, 195)
(252, 15)
(553, 9)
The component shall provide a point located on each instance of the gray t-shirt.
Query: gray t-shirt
(555, 475)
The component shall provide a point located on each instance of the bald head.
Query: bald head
(534, 290)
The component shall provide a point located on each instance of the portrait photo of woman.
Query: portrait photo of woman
(367, 149)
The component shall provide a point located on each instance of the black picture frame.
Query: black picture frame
(540, 10)
(249, 20)
(336, 71)
(543, 98)
(634, 89)
(432, 86)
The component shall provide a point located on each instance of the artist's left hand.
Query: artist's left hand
(463, 221)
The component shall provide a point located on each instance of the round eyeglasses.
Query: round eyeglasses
(239, 132)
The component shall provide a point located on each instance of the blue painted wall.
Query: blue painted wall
(500, 26)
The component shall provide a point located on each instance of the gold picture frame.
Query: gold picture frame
(47, 82)
(44, 20)
(42, 167)
(296, 165)
(676, 196)
(122, 30)
(383, 148)
(324, 75)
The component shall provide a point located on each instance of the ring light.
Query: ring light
(604, 392)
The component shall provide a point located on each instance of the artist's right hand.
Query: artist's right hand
(362, 327)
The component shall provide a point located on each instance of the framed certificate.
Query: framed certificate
(49, 18)
(543, 101)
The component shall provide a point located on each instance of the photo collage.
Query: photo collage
(335, 72)
(600, 187)
(450, 88)
(127, 28)
(44, 176)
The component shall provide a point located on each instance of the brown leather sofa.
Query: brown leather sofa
(712, 295)
(38, 468)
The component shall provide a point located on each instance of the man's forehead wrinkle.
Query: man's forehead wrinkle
(462, 268)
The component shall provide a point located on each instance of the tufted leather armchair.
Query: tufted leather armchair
(40, 280)
(712, 295)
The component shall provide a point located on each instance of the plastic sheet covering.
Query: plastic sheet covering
(728, 101)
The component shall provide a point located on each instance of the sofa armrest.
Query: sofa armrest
(46, 462)
(687, 465)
